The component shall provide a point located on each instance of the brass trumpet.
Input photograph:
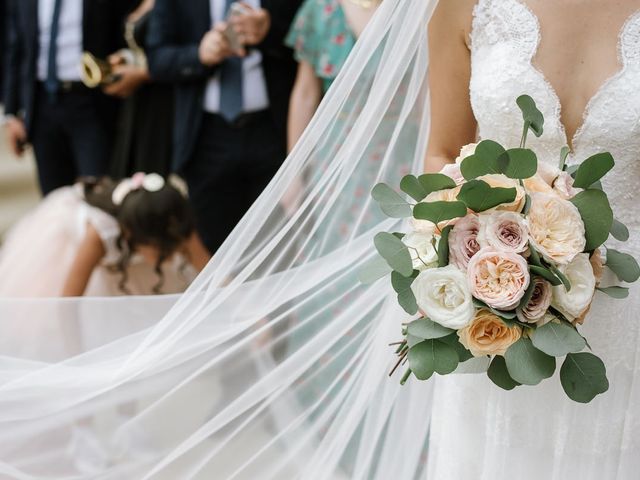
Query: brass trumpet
(96, 72)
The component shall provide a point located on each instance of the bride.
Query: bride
(272, 365)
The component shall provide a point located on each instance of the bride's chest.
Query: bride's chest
(504, 41)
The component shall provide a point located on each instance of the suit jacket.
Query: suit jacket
(102, 32)
(175, 32)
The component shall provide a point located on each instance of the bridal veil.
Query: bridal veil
(273, 365)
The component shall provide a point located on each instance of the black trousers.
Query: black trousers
(70, 138)
(230, 167)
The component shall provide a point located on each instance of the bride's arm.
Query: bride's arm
(452, 122)
(89, 254)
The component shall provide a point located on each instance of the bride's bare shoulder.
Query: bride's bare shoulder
(453, 18)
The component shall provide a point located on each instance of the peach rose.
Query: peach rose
(556, 228)
(501, 181)
(499, 279)
(463, 241)
(488, 335)
(448, 195)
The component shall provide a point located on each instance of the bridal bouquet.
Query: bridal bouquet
(502, 262)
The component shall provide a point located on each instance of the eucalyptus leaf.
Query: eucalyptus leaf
(518, 163)
(546, 274)
(557, 339)
(532, 116)
(593, 169)
(619, 231)
(483, 162)
(435, 182)
(503, 314)
(596, 214)
(428, 329)
(479, 196)
(535, 256)
(564, 153)
(527, 205)
(412, 187)
(395, 252)
(563, 278)
(390, 201)
(373, 270)
(437, 212)
(619, 293)
(623, 265)
(413, 341)
(402, 286)
(528, 365)
(583, 377)
(499, 374)
(443, 247)
(453, 340)
(432, 356)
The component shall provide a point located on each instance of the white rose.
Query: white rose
(423, 254)
(443, 296)
(575, 302)
(547, 171)
(422, 226)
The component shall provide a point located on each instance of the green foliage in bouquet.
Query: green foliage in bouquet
(501, 191)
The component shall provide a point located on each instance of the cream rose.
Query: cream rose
(499, 279)
(535, 310)
(547, 172)
(504, 231)
(563, 186)
(572, 304)
(501, 181)
(488, 335)
(452, 170)
(422, 226)
(421, 248)
(443, 296)
(466, 151)
(463, 243)
(537, 184)
(556, 228)
(447, 195)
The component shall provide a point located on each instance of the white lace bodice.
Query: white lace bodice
(504, 41)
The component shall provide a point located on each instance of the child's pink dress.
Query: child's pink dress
(40, 249)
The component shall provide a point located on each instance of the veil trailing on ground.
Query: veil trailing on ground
(273, 364)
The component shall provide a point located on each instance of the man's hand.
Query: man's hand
(16, 135)
(214, 47)
(130, 79)
(252, 26)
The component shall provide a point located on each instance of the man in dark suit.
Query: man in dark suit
(231, 106)
(69, 126)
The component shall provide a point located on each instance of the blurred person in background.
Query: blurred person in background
(231, 103)
(144, 134)
(103, 238)
(70, 126)
(3, 32)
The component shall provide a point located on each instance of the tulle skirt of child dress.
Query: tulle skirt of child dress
(38, 253)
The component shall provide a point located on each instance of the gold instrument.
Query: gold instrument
(96, 72)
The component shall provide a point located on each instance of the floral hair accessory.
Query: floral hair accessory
(151, 182)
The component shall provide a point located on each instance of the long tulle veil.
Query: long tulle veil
(273, 364)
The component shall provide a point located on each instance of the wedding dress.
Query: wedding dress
(273, 364)
(479, 431)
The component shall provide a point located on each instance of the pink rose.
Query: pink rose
(563, 186)
(499, 279)
(504, 231)
(537, 307)
(463, 243)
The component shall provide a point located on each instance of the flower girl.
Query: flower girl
(102, 238)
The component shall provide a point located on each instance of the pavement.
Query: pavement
(18, 188)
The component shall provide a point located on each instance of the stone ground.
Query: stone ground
(18, 187)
